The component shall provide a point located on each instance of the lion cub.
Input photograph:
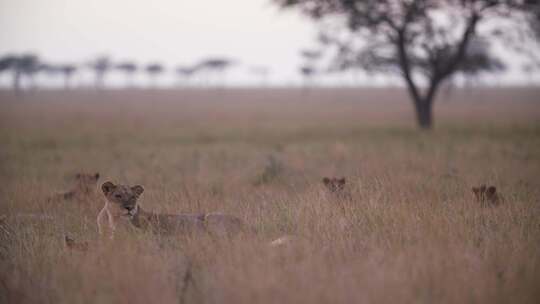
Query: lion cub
(487, 196)
(340, 194)
(122, 201)
(85, 186)
(336, 187)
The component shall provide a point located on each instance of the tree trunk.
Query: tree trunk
(17, 82)
(67, 78)
(424, 113)
(439, 71)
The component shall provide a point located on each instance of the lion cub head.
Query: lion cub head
(85, 182)
(486, 196)
(122, 199)
(334, 185)
(337, 189)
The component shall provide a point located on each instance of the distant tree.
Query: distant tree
(154, 70)
(128, 68)
(307, 72)
(215, 66)
(50, 70)
(67, 71)
(185, 73)
(8, 63)
(101, 65)
(308, 68)
(26, 65)
(423, 41)
(29, 65)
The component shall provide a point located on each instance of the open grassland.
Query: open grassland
(411, 234)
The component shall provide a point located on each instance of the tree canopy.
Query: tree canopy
(424, 41)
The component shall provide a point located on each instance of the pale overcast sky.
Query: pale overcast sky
(173, 32)
(169, 31)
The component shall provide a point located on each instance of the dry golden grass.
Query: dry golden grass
(412, 233)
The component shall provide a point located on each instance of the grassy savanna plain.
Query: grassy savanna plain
(412, 232)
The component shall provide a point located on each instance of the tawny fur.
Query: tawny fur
(122, 201)
(487, 196)
(84, 187)
(337, 188)
(340, 194)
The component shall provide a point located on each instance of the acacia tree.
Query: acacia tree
(308, 69)
(216, 66)
(25, 65)
(8, 63)
(186, 73)
(154, 70)
(424, 41)
(67, 71)
(307, 72)
(101, 66)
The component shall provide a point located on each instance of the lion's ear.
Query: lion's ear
(341, 181)
(326, 180)
(78, 175)
(107, 187)
(491, 190)
(475, 190)
(96, 176)
(138, 189)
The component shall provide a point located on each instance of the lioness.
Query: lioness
(122, 201)
(340, 194)
(85, 185)
(334, 184)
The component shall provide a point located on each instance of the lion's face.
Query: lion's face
(484, 194)
(122, 198)
(334, 185)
